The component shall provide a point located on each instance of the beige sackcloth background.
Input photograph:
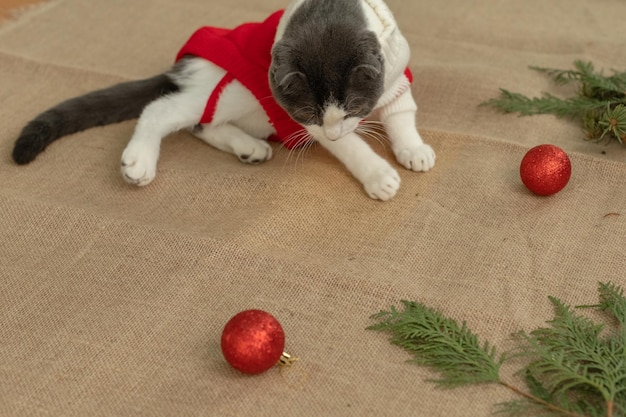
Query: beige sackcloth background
(113, 298)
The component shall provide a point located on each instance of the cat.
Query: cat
(317, 71)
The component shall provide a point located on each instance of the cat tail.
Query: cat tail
(115, 104)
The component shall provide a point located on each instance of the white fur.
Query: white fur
(240, 124)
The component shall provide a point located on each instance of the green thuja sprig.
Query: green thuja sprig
(575, 367)
(612, 301)
(439, 342)
(600, 102)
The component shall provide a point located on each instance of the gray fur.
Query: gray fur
(115, 104)
(327, 56)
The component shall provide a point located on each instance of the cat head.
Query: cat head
(328, 83)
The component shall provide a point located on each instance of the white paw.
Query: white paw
(252, 151)
(416, 158)
(382, 184)
(139, 165)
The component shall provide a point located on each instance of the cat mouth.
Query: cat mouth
(334, 128)
(334, 133)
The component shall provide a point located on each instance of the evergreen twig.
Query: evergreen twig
(600, 103)
(576, 367)
(439, 342)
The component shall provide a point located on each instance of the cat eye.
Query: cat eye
(367, 72)
(306, 117)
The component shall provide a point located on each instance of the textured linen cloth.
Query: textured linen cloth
(113, 298)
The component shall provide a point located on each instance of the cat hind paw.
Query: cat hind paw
(252, 151)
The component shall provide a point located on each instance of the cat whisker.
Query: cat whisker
(283, 148)
(374, 123)
(306, 110)
(371, 130)
(368, 131)
(304, 150)
(301, 140)
(265, 98)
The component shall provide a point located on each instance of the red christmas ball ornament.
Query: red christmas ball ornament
(545, 169)
(253, 341)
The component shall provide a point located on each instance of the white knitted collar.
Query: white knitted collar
(380, 20)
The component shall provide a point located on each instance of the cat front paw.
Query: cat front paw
(382, 184)
(138, 168)
(416, 158)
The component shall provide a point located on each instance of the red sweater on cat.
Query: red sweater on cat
(245, 53)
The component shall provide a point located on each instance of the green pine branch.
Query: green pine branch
(600, 103)
(575, 368)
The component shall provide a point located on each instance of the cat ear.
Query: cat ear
(372, 63)
(283, 72)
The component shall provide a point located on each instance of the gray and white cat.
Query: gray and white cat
(335, 64)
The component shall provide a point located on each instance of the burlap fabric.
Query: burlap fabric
(113, 298)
